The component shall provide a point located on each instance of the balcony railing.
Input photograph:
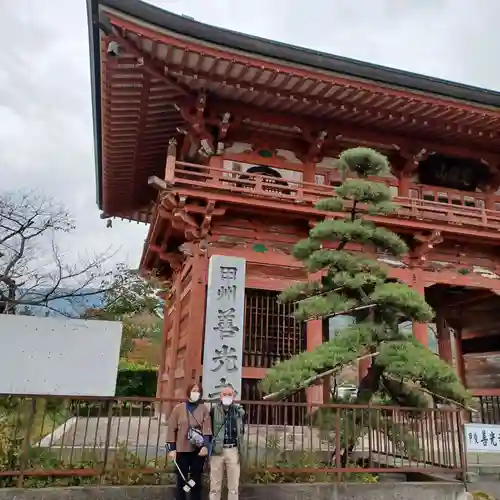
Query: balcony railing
(449, 206)
(447, 196)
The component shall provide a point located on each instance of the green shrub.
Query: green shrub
(136, 380)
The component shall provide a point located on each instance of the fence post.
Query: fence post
(107, 441)
(23, 460)
(462, 447)
(338, 445)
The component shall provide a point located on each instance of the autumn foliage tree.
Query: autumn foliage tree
(137, 303)
(402, 370)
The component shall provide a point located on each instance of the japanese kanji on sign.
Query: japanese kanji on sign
(481, 438)
(224, 324)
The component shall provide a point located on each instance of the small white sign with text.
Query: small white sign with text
(482, 438)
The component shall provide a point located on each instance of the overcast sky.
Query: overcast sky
(45, 108)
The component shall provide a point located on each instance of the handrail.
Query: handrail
(449, 191)
(215, 178)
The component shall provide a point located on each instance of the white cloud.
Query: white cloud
(45, 107)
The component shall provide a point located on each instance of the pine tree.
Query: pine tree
(402, 370)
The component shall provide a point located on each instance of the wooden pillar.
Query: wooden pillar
(174, 342)
(217, 162)
(163, 353)
(160, 409)
(460, 366)
(314, 339)
(197, 306)
(170, 163)
(489, 201)
(363, 367)
(309, 174)
(410, 162)
(421, 333)
(404, 185)
(420, 330)
(171, 326)
(490, 191)
(443, 338)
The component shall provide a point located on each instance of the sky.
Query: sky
(46, 132)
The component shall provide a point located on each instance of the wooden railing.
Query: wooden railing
(209, 178)
(489, 410)
(431, 211)
(447, 196)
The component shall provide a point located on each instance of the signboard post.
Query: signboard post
(224, 325)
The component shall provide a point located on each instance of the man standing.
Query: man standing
(227, 431)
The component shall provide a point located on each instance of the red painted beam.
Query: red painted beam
(485, 392)
(309, 212)
(335, 128)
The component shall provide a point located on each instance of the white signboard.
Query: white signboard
(482, 438)
(69, 357)
(224, 324)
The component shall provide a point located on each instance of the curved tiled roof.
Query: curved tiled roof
(263, 75)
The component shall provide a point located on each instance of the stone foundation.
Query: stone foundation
(342, 491)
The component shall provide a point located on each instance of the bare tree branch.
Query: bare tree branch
(34, 272)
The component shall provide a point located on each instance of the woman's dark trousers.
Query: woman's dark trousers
(191, 465)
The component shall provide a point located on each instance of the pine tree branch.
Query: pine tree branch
(288, 392)
(320, 294)
(437, 396)
(350, 311)
(345, 312)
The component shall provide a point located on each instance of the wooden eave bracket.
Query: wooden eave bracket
(167, 183)
(181, 215)
(223, 130)
(193, 113)
(401, 143)
(192, 229)
(316, 143)
(412, 159)
(493, 164)
(157, 183)
(207, 219)
(174, 260)
(426, 242)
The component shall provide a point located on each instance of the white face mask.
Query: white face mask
(227, 400)
(194, 397)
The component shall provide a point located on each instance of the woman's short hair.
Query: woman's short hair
(190, 388)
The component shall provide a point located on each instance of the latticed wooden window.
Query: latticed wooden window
(271, 332)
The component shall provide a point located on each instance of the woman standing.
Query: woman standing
(188, 436)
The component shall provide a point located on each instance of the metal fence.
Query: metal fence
(73, 441)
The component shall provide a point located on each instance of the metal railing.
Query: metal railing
(74, 440)
(191, 176)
